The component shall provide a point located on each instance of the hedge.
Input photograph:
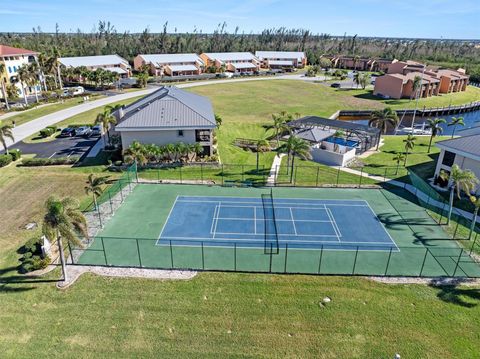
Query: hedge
(34, 162)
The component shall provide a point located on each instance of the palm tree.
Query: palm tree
(56, 66)
(106, 118)
(63, 221)
(136, 152)
(280, 125)
(409, 145)
(6, 132)
(261, 145)
(356, 78)
(3, 79)
(399, 157)
(461, 180)
(434, 125)
(297, 147)
(33, 70)
(94, 186)
(381, 120)
(456, 121)
(24, 78)
(476, 204)
(416, 82)
(218, 120)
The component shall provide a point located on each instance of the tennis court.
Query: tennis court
(334, 231)
(269, 223)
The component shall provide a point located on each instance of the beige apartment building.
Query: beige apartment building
(236, 62)
(170, 64)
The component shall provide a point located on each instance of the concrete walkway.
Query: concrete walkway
(272, 176)
(14, 113)
(26, 130)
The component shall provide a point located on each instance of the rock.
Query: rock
(30, 226)
(229, 331)
(205, 297)
(326, 300)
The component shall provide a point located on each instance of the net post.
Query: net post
(458, 262)
(355, 261)
(286, 256)
(388, 261)
(171, 254)
(104, 251)
(424, 260)
(139, 255)
(203, 257)
(320, 260)
(264, 175)
(316, 180)
(473, 244)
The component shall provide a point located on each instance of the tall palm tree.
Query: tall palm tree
(399, 157)
(409, 145)
(280, 125)
(3, 80)
(416, 82)
(105, 119)
(24, 78)
(6, 132)
(262, 145)
(63, 221)
(56, 66)
(356, 78)
(476, 203)
(381, 120)
(456, 121)
(298, 147)
(460, 180)
(434, 125)
(33, 70)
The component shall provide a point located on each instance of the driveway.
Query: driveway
(60, 147)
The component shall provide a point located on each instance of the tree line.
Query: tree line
(105, 39)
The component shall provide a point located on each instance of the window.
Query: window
(448, 159)
(9, 70)
(180, 133)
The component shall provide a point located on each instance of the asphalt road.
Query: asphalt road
(60, 147)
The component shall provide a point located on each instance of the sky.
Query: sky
(385, 18)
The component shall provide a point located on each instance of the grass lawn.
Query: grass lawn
(238, 315)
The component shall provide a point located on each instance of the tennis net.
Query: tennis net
(270, 223)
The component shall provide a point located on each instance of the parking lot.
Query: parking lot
(60, 147)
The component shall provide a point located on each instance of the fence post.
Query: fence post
(121, 191)
(223, 175)
(110, 199)
(271, 257)
(181, 177)
(264, 175)
(295, 176)
(203, 258)
(361, 177)
(385, 175)
(316, 180)
(201, 172)
(70, 250)
(424, 260)
(275, 176)
(129, 184)
(235, 256)
(458, 262)
(139, 255)
(243, 173)
(388, 261)
(104, 252)
(158, 174)
(320, 260)
(171, 254)
(338, 176)
(99, 216)
(286, 255)
(355, 261)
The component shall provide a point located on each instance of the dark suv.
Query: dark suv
(67, 132)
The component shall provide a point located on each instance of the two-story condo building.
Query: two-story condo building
(235, 62)
(170, 64)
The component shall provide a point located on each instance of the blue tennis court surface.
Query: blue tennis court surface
(298, 223)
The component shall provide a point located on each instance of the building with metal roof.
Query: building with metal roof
(112, 63)
(235, 62)
(168, 115)
(170, 64)
(282, 59)
(463, 151)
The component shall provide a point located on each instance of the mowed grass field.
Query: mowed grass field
(218, 314)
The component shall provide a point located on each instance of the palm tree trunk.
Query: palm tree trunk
(257, 159)
(4, 91)
(430, 143)
(398, 166)
(474, 221)
(62, 257)
(36, 93)
(98, 210)
(25, 94)
(291, 171)
(453, 132)
(59, 74)
(451, 205)
(405, 162)
(288, 162)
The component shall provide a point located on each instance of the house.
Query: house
(14, 58)
(401, 86)
(359, 63)
(286, 60)
(452, 81)
(170, 64)
(236, 62)
(168, 115)
(463, 151)
(112, 63)
(404, 67)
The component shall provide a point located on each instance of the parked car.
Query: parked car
(68, 132)
(83, 131)
(96, 131)
(79, 90)
(335, 85)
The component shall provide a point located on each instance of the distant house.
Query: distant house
(168, 115)
(401, 86)
(281, 59)
(112, 63)
(357, 63)
(463, 151)
(170, 64)
(236, 62)
(14, 58)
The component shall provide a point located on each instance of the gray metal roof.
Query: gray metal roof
(243, 65)
(231, 56)
(469, 131)
(177, 68)
(314, 134)
(162, 59)
(468, 146)
(312, 121)
(280, 62)
(298, 55)
(168, 108)
(93, 61)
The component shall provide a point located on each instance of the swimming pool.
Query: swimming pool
(341, 141)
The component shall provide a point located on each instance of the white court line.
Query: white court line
(53, 154)
(276, 220)
(216, 222)
(293, 222)
(334, 223)
(279, 199)
(381, 224)
(213, 219)
(277, 205)
(166, 221)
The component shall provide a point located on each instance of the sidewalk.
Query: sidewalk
(272, 176)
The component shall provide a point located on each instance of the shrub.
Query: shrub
(5, 160)
(33, 258)
(15, 154)
(34, 162)
(48, 131)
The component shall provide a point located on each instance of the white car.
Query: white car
(96, 130)
(79, 90)
(83, 131)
